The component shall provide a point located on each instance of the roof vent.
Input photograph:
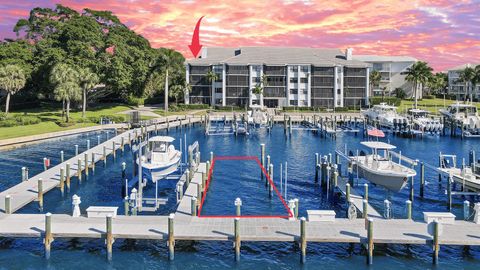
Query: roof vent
(204, 53)
(238, 51)
(349, 53)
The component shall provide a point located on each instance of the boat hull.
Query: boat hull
(393, 182)
(155, 172)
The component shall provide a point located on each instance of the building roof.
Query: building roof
(382, 58)
(275, 56)
(461, 67)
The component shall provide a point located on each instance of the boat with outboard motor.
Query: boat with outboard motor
(379, 168)
(386, 116)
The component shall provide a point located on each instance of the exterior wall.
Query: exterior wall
(256, 72)
(392, 77)
(237, 86)
(200, 86)
(457, 88)
(274, 94)
(355, 86)
(322, 86)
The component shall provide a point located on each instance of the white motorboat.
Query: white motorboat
(257, 116)
(386, 116)
(161, 158)
(380, 169)
(467, 176)
(463, 114)
(423, 122)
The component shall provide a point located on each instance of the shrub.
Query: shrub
(9, 122)
(400, 93)
(18, 120)
(65, 124)
(228, 108)
(193, 106)
(135, 101)
(428, 96)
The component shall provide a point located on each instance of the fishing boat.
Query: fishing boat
(379, 168)
(467, 176)
(465, 115)
(160, 159)
(423, 122)
(386, 116)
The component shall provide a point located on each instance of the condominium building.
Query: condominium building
(288, 77)
(392, 71)
(457, 87)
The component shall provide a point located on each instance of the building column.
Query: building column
(367, 87)
(261, 82)
(342, 88)
(250, 93)
(309, 86)
(287, 92)
(224, 85)
(335, 86)
(298, 85)
(187, 79)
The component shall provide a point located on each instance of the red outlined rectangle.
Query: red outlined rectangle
(205, 190)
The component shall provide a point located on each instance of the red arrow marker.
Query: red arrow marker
(195, 47)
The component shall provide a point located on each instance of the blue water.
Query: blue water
(234, 179)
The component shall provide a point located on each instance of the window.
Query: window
(304, 80)
(256, 68)
(256, 79)
(294, 102)
(294, 80)
(305, 91)
(304, 69)
(218, 90)
(293, 91)
(294, 69)
(339, 91)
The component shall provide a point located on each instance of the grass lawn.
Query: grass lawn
(169, 113)
(431, 105)
(49, 115)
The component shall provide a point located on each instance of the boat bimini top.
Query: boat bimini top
(378, 145)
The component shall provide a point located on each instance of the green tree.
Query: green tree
(211, 77)
(467, 75)
(438, 83)
(87, 80)
(12, 79)
(374, 79)
(418, 74)
(476, 79)
(67, 85)
(176, 91)
(399, 93)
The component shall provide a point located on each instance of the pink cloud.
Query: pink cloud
(441, 32)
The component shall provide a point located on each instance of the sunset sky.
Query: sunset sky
(443, 33)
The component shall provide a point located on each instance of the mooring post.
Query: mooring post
(270, 184)
(436, 242)
(113, 150)
(449, 192)
(88, 144)
(297, 202)
(238, 206)
(67, 174)
(45, 164)
(40, 193)
(237, 238)
(208, 169)
(105, 155)
(98, 139)
(412, 195)
(408, 205)
(211, 157)
(204, 179)
(93, 162)
(317, 160)
(48, 235)
(79, 169)
(126, 205)
(76, 149)
(262, 158)
(466, 210)
(193, 202)
(365, 209)
(303, 240)
(267, 168)
(199, 193)
(171, 238)
(422, 178)
(370, 241)
(440, 165)
(86, 164)
(62, 180)
(187, 176)
(347, 192)
(8, 204)
(61, 157)
(365, 193)
(122, 143)
(109, 241)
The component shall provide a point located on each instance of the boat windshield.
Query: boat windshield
(160, 147)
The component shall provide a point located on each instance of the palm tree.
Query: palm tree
(438, 83)
(476, 79)
(176, 91)
(168, 61)
(467, 75)
(87, 80)
(68, 91)
(419, 74)
(211, 77)
(67, 85)
(12, 79)
(374, 78)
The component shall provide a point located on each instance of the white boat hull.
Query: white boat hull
(390, 182)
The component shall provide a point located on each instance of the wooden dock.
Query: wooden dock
(27, 191)
(356, 199)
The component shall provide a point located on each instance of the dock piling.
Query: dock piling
(262, 158)
(85, 157)
(317, 160)
(105, 155)
(40, 193)
(171, 238)
(347, 192)
(238, 206)
(109, 237)
(466, 210)
(365, 196)
(126, 205)
(297, 202)
(303, 240)
(76, 149)
(270, 185)
(370, 242)
(237, 238)
(365, 209)
(113, 150)
(422, 178)
(408, 205)
(67, 174)
(412, 195)
(436, 243)
(93, 163)
(88, 144)
(211, 157)
(194, 206)
(8, 204)
(62, 180)
(61, 157)
(48, 235)
(79, 169)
